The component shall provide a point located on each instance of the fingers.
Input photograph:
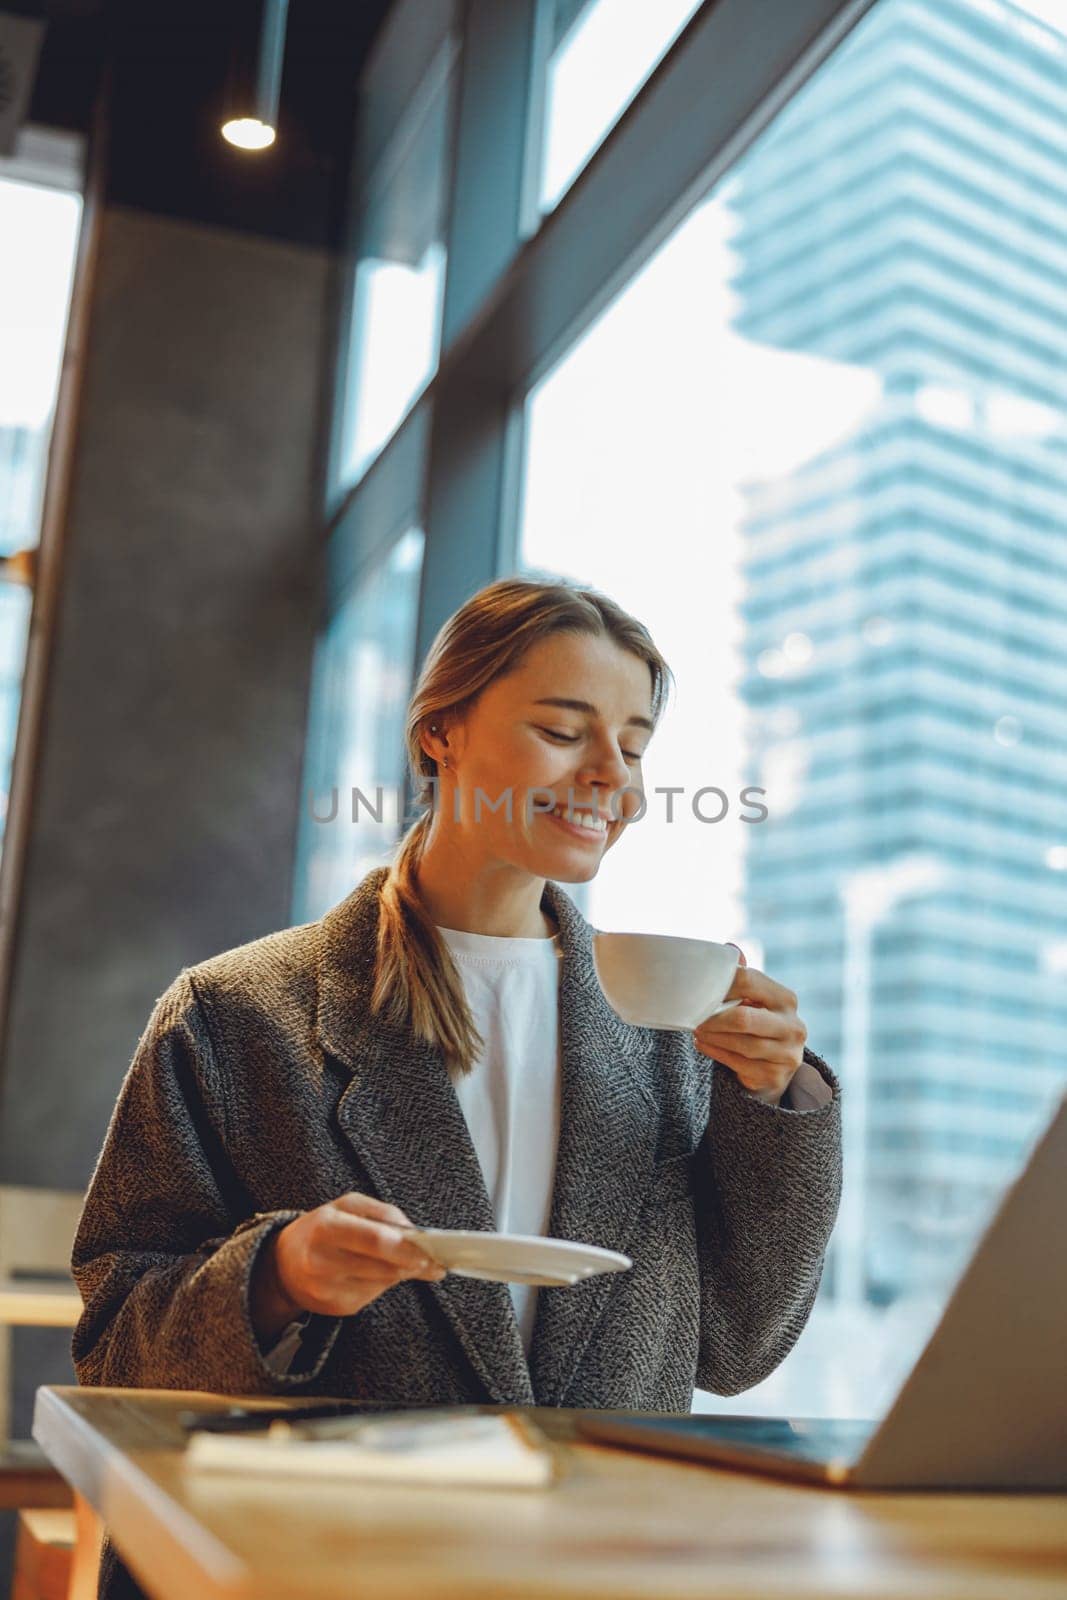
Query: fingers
(748, 1022)
(750, 984)
(773, 1052)
(354, 1267)
(362, 1236)
(368, 1205)
(360, 1271)
(342, 1255)
(369, 1226)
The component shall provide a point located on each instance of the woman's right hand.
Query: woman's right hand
(338, 1258)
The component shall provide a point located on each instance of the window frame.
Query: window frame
(520, 288)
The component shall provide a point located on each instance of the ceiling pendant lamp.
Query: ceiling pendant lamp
(254, 85)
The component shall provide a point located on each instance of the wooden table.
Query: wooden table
(618, 1524)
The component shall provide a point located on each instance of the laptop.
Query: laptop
(984, 1407)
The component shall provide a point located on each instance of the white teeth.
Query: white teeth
(584, 819)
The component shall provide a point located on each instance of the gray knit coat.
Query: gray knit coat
(263, 1087)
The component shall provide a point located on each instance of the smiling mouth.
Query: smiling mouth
(591, 835)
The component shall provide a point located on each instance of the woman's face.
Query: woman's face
(510, 741)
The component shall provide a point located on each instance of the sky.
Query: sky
(39, 227)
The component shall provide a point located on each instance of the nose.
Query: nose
(608, 772)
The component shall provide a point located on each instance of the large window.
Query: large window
(39, 223)
(355, 768)
(599, 53)
(394, 330)
(819, 446)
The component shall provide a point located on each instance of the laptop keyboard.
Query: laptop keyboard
(810, 1438)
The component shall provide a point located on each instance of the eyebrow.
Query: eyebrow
(584, 705)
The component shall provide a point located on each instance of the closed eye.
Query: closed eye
(572, 738)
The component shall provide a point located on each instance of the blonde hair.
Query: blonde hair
(416, 981)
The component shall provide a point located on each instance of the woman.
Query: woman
(437, 1049)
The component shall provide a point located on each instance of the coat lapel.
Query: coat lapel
(402, 1117)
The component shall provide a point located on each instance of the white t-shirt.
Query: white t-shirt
(510, 1098)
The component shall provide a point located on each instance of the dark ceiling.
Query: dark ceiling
(168, 69)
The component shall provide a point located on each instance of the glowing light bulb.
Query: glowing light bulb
(248, 133)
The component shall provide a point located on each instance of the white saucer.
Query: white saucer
(516, 1257)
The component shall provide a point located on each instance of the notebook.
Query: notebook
(409, 1446)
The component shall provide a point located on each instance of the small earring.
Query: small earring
(433, 729)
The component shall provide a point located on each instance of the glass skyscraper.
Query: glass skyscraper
(906, 604)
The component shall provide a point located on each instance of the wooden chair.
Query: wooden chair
(57, 1553)
(44, 1555)
(37, 1228)
(59, 1535)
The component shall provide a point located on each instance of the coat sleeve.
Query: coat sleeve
(768, 1188)
(168, 1237)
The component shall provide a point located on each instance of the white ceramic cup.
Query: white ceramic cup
(658, 980)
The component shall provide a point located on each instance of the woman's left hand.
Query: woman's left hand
(762, 1039)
